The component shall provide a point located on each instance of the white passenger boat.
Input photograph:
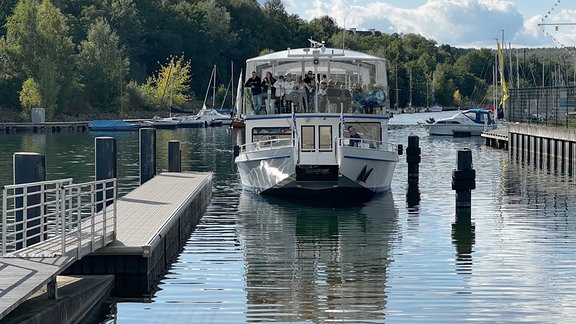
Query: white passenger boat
(306, 151)
(470, 122)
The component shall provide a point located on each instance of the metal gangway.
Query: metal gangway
(46, 227)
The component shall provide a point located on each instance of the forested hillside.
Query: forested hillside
(115, 56)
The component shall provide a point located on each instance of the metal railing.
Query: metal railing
(58, 217)
(267, 144)
(369, 144)
(550, 106)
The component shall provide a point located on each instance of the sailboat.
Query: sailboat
(435, 106)
(238, 118)
(210, 116)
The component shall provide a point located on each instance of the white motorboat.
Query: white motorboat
(174, 122)
(434, 108)
(470, 122)
(211, 117)
(307, 151)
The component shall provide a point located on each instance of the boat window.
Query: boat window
(325, 138)
(269, 133)
(366, 130)
(308, 138)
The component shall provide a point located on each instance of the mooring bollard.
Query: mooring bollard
(464, 178)
(29, 167)
(413, 158)
(174, 156)
(105, 165)
(105, 151)
(147, 154)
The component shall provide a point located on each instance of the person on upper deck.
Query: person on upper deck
(269, 90)
(291, 92)
(310, 86)
(280, 86)
(255, 85)
(375, 99)
(355, 138)
(302, 96)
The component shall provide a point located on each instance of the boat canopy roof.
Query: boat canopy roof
(339, 64)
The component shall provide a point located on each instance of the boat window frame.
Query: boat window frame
(303, 137)
(281, 133)
(330, 147)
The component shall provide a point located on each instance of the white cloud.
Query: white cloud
(461, 23)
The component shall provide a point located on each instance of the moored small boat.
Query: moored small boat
(112, 125)
(470, 122)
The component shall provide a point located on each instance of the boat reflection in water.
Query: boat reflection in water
(316, 263)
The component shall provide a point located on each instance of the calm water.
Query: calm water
(398, 258)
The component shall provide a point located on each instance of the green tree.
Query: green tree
(457, 97)
(39, 47)
(323, 28)
(170, 84)
(102, 65)
(30, 96)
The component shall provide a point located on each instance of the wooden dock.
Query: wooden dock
(497, 137)
(52, 127)
(152, 223)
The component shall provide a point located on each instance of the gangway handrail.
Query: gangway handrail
(77, 218)
(17, 205)
(97, 199)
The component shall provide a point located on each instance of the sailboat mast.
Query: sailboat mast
(410, 94)
(214, 89)
(232, 82)
(396, 89)
(208, 88)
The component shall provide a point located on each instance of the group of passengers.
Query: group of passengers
(282, 94)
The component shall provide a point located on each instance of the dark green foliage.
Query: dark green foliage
(102, 50)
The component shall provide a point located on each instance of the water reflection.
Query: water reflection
(463, 236)
(306, 263)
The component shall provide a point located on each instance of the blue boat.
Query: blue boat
(112, 125)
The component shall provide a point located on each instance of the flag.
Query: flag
(294, 126)
(342, 123)
(502, 79)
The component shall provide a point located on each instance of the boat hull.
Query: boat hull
(450, 130)
(470, 122)
(359, 174)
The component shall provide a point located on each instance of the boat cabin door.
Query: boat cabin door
(317, 145)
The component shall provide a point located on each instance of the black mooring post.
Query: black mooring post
(174, 156)
(147, 154)
(28, 168)
(413, 158)
(464, 178)
(105, 166)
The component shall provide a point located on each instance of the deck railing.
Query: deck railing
(267, 145)
(369, 144)
(58, 217)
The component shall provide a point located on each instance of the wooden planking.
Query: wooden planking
(500, 133)
(21, 278)
(142, 215)
(145, 212)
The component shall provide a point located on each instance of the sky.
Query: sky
(458, 23)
